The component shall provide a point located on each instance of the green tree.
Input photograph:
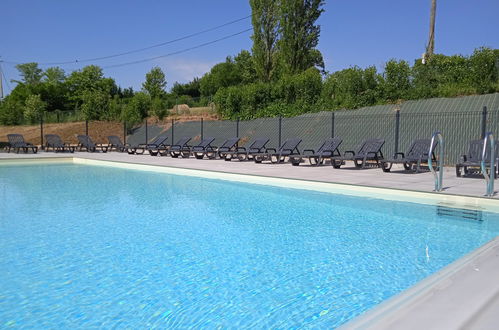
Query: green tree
(223, 74)
(34, 108)
(89, 79)
(245, 67)
(13, 104)
(137, 109)
(155, 83)
(130, 114)
(192, 88)
(30, 73)
(158, 108)
(95, 104)
(397, 80)
(115, 108)
(265, 20)
(126, 93)
(11, 111)
(54, 75)
(299, 34)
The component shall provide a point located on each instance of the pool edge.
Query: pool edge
(412, 196)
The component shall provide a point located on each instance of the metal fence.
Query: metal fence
(398, 129)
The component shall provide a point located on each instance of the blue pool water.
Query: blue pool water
(87, 246)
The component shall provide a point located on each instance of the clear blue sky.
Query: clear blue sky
(353, 32)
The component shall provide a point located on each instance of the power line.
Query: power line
(139, 49)
(177, 52)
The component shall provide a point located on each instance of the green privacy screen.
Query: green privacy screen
(459, 119)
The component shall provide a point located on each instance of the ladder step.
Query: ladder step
(444, 211)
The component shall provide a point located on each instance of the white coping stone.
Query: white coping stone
(457, 201)
(463, 295)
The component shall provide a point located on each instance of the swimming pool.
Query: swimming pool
(89, 246)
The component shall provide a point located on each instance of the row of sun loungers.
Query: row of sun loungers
(368, 153)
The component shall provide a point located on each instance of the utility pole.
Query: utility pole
(430, 48)
(1, 81)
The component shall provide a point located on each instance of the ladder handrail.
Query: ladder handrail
(489, 178)
(438, 177)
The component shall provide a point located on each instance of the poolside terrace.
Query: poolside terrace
(347, 174)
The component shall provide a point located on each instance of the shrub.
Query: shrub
(11, 112)
(34, 108)
(396, 82)
(291, 95)
(352, 88)
(484, 67)
(137, 109)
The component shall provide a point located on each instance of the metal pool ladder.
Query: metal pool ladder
(489, 177)
(440, 166)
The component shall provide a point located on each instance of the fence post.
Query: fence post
(173, 127)
(201, 128)
(86, 127)
(147, 138)
(484, 122)
(280, 130)
(41, 131)
(332, 124)
(237, 131)
(397, 130)
(124, 132)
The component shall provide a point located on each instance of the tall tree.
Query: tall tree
(300, 34)
(30, 73)
(265, 21)
(155, 83)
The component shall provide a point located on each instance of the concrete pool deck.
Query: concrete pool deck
(348, 174)
(463, 295)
